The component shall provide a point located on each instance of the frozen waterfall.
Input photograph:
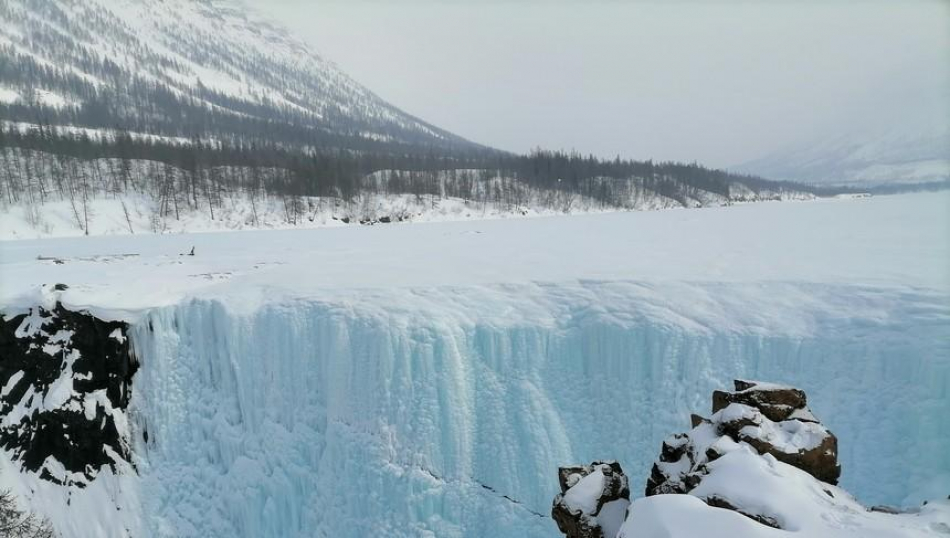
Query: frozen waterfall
(443, 412)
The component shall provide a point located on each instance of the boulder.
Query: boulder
(771, 419)
(776, 402)
(593, 500)
(817, 454)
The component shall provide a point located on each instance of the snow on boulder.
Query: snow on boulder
(777, 402)
(593, 500)
(765, 498)
(771, 419)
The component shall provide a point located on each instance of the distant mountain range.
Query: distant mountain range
(868, 159)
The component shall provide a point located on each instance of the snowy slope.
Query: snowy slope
(427, 380)
(185, 67)
(111, 109)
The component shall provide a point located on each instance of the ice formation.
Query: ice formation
(403, 420)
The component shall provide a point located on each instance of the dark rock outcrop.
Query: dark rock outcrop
(775, 402)
(593, 500)
(65, 380)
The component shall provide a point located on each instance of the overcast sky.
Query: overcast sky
(717, 82)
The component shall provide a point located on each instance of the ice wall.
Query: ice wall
(445, 412)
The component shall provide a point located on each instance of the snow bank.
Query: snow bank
(136, 214)
(794, 500)
(896, 242)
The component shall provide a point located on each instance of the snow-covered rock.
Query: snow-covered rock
(766, 498)
(714, 483)
(772, 419)
(593, 500)
(66, 379)
(762, 466)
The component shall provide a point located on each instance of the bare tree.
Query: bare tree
(128, 218)
(15, 523)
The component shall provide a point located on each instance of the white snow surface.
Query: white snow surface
(764, 486)
(136, 214)
(8, 96)
(789, 436)
(882, 241)
(583, 495)
(379, 380)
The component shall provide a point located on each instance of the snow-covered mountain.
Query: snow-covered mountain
(871, 158)
(186, 68)
(123, 116)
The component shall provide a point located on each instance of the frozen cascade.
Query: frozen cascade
(442, 412)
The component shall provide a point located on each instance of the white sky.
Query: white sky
(717, 82)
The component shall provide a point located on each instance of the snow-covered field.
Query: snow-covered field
(136, 214)
(428, 379)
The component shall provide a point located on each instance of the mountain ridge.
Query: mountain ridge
(181, 68)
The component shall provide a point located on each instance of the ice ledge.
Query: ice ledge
(440, 398)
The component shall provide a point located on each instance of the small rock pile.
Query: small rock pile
(767, 418)
(772, 419)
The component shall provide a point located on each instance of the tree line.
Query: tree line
(44, 159)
